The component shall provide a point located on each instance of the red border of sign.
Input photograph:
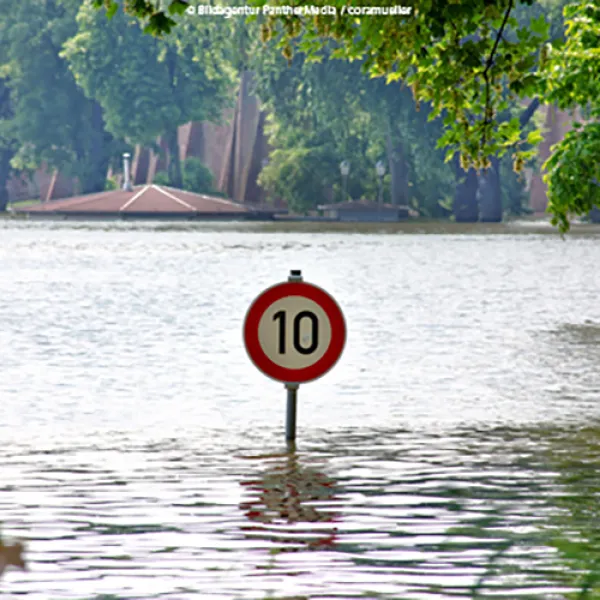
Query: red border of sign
(257, 310)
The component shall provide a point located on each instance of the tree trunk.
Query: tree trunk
(465, 206)
(526, 115)
(97, 154)
(5, 157)
(515, 195)
(490, 194)
(7, 150)
(171, 137)
(489, 191)
(174, 164)
(398, 169)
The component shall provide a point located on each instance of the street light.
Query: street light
(380, 170)
(345, 171)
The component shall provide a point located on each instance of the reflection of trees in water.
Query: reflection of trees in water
(516, 495)
(285, 494)
(568, 459)
(576, 529)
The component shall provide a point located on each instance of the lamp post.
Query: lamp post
(345, 171)
(127, 173)
(380, 170)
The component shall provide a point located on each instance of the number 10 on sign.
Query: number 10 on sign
(298, 347)
(294, 332)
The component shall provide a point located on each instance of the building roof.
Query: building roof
(361, 205)
(146, 199)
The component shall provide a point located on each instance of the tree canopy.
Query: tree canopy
(573, 80)
(321, 112)
(470, 59)
(50, 120)
(162, 84)
(454, 55)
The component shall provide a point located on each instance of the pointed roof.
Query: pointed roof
(147, 200)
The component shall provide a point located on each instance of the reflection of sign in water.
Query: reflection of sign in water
(287, 494)
(11, 555)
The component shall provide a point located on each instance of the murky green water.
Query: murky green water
(452, 452)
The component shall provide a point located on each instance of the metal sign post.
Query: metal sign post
(294, 332)
(292, 388)
(290, 418)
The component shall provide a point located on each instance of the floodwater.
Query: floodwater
(452, 452)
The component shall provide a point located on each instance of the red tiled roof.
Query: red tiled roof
(143, 199)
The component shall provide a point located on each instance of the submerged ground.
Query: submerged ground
(453, 451)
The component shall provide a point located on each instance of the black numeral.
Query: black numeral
(281, 316)
(305, 314)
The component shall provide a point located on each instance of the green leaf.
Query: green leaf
(449, 155)
(159, 24)
(178, 7)
(112, 9)
(516, 87)
(540, 26)
(535, 137)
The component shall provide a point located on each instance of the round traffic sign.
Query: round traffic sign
(294, 332)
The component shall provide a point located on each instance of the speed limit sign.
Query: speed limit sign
(294, 332)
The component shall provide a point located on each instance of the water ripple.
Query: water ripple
(451, 452)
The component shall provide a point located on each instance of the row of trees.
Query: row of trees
(474, 61)
(77, 89)
(323, 111)
(477, 122)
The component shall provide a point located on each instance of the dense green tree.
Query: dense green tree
(197, 177)
(418, 175)
(453, 54)
(395, 123)
(310, 131)
(471, 59)
(146, 86)
(334, 90)
(301, 166)
(326, 111)
(573, 80)
(51, 121)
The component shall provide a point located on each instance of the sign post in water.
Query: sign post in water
(294, 332)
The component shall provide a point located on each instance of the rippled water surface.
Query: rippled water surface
(452, 452)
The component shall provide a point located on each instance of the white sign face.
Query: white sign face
(294, 332)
